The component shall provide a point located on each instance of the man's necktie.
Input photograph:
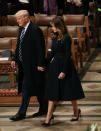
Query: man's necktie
(20, 44)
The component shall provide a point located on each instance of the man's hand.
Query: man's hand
(13, 64)
(40, 68)
(61, 75)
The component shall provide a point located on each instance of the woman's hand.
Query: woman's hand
(61, 76)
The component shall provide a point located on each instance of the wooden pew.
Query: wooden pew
(8, 39)
(82, 34)
(5, 65)
(74, 46)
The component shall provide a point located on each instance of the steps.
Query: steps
(90, 106)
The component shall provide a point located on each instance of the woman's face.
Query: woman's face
(54, 29)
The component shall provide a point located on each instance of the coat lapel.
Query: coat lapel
(27, 32)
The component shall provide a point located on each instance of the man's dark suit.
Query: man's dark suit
(30, 80)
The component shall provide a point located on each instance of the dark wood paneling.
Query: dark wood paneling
(14, 100)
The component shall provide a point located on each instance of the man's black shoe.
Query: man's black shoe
(17, 117)
(38, 114)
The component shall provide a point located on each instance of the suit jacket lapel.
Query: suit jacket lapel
(26, 33)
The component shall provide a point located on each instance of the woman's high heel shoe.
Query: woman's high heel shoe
(49, 123)
(76, 116)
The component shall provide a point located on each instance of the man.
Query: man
(30, 58)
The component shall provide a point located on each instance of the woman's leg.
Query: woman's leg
(77, 111)
(51, 106)
(75, 106)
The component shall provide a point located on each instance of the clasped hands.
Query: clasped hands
(60, 76)
(40, 68)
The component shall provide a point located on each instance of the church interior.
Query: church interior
(85, 32)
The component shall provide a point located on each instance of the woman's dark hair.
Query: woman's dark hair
(60, 24)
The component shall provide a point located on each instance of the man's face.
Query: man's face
(22, 20)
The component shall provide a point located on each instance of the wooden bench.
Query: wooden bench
(5, 65)
(8, 39)
(78, 21)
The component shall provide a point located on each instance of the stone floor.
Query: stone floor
(61, 121)
(90, 107)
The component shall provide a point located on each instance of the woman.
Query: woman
(63, 83)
